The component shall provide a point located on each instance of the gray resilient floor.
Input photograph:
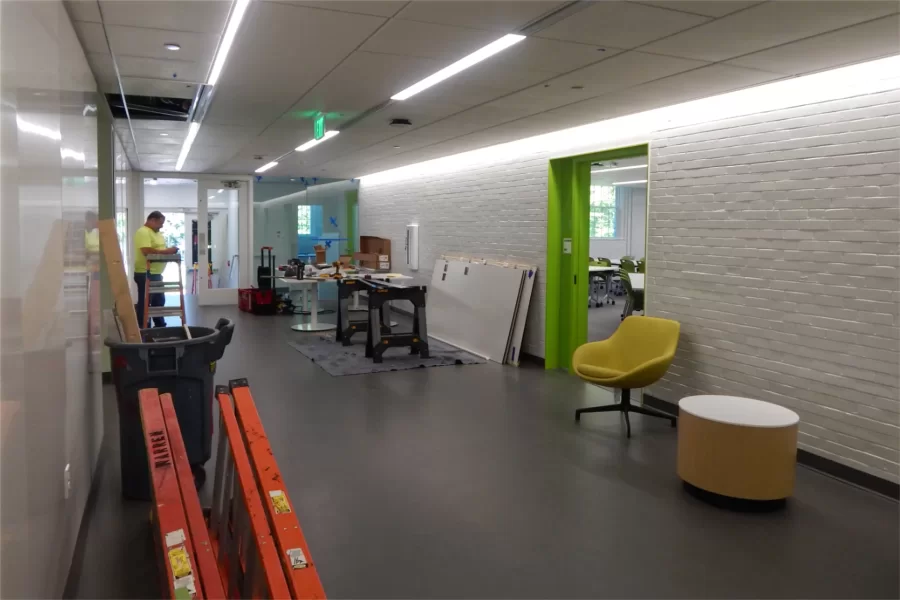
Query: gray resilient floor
(475, 482)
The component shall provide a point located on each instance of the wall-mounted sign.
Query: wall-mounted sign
(319, 126)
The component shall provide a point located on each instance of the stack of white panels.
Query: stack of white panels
(480, 307)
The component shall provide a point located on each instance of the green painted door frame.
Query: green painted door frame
(568, 218)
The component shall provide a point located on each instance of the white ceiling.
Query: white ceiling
(293, 58)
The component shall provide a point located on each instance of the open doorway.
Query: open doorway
(617, 224)
(597, 206)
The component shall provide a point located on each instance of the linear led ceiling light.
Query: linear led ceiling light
(188, 141)
(619, 169)
(461, 65)
(264, 168)
(234, 22)
(629, 182)
(328, 135)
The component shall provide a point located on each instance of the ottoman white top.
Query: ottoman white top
(739, 411)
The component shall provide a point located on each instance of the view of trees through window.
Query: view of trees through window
(604, 215)
(303, 220)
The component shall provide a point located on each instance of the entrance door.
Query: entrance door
(222, 241)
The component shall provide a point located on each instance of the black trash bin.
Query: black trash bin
(172, 363)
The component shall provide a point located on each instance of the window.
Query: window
(604, 212)
(303, 220)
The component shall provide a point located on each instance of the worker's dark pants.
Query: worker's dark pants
(155, 299)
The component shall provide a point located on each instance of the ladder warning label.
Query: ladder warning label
(280, 502)
(181, 565)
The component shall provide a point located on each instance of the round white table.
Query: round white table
(737, 447)
(308, 289)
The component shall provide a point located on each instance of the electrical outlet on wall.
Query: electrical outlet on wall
(67, 481)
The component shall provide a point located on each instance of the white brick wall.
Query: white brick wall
(774, 239)
(497, 211)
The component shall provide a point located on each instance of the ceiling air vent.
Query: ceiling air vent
(400, 123)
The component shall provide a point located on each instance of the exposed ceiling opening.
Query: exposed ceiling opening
(154, 108)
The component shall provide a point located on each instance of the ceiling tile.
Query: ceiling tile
(620, 24)
(157, 68)
(551, 56)
(410, 38)
(223, 135)
(364, 80)
(140, 41)
(378, 8)
(201, 16)
(503, 17)
(165, 88)
(859, 43)
(83, 10)
(768, 25)
(624, 71)
(91, 37)
(709, 8)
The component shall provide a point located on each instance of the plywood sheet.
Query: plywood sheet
(118, 280)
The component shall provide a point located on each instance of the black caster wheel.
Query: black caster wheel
(614, 302)
(199, 474)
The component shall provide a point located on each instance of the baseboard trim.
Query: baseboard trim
(75, 569)
(861, 479)
(532, 359)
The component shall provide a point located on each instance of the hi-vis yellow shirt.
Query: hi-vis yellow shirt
(147, 238)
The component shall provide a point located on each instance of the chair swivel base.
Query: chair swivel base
(625, 407)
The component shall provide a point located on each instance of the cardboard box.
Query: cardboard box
(320, 254)
(368, 260)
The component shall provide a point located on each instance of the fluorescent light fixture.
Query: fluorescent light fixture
(328, 135)
(234, 22)
(172, 47)
(619, 169)
(188, 142)
(629, 182)
(845, 82)
(461, 65)
(265, 168)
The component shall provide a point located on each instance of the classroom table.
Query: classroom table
(309, 289)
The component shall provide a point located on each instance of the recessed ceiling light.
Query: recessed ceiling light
(461, 65)
(234, 22)
(164, 134)
(266, 167)
(396, 146)
(172, 47)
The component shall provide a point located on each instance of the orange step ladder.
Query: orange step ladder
(252, 545)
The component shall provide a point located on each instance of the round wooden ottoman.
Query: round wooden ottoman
(737, 447)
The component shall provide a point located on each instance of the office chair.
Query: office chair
(638, 354)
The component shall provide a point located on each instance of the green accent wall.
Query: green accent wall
(568, 216)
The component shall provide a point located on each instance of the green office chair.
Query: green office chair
(641, 266)
(627, 265)
(638, 354)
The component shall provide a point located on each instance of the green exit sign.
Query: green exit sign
(319, 127)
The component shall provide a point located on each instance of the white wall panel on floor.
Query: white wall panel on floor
(473, 305)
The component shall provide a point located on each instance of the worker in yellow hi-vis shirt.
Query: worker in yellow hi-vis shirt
(148, 240)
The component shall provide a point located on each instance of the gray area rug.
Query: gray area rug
(337, 359)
